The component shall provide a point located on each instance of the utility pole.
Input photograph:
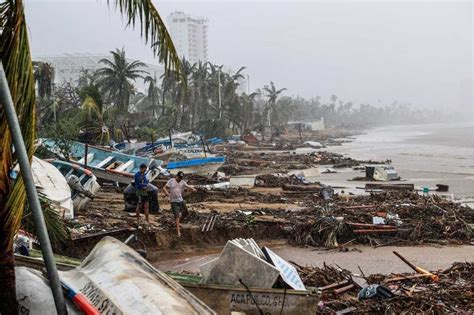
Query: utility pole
(219, 91)
(248, 84)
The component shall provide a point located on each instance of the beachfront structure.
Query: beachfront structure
(311, 125)
(189, 36)
(67, 67)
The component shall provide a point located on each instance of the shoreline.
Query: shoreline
(265, 213)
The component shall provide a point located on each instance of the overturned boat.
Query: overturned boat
(113, 279)
(83, 182)
(51, 183)
(109, 165)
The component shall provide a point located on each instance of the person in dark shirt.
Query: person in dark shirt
(141, 185)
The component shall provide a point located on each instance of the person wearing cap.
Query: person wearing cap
(174, 190)
(141, 185)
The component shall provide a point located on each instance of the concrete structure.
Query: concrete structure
(189, 35)
(311, 125)
(68, 67)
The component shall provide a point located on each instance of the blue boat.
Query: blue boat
(201, 166)
(109, 165)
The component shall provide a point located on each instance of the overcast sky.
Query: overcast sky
(367, 52)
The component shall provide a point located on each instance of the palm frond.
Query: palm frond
(153, 28)
(16, 59)
(56, 226)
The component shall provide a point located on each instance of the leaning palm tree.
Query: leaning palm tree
(16, 59)
(117, 76)
(151, 101)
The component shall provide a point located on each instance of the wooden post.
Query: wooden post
(85, 157)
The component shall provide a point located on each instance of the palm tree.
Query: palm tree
(230, 99)
(272, 94)
(181, 118)
(44, 76)
(16, 59)
(200, 79)
(117, 76)
(149, 102)
(153, 94)
(94, 112)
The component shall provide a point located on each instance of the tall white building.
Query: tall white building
(68, 67)
(189, 36)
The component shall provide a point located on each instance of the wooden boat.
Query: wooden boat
(109, 165)
(221, 299)
(201, 166)
(52, 184)
(228, 299)
(115, 279)
(87, 180)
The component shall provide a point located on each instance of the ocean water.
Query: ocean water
(426, 154)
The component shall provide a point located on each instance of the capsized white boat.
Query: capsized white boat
(51, 183)
(116, 280)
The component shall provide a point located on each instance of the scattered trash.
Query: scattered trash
(375, 291)
(394, 293)
(381, 172)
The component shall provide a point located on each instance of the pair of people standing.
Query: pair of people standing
(174, 189)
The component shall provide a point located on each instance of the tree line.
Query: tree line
(106, 103)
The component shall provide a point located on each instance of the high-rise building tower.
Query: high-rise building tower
(189, 36)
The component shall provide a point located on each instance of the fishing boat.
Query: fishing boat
(201, 166)
(116, 279)
(109, 165)
(52, 184)
(83, 188)
(177, 140)
(226, 299)
(113, 279)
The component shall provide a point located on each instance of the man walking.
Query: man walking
(174, 190)
(142, 186)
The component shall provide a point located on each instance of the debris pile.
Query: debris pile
(276, 180)
(412, 293)
(407, 218)
(249, 162)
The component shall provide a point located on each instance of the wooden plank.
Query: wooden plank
(390, 186)
(379, 231)
(368, 225)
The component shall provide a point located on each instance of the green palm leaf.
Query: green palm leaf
(16, 59)
(153, 29)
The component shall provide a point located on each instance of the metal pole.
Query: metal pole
(171, 139)
(33, 201)
(219, 92)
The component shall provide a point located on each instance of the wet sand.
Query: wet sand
(371, 260)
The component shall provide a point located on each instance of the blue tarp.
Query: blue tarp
(195, 162)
